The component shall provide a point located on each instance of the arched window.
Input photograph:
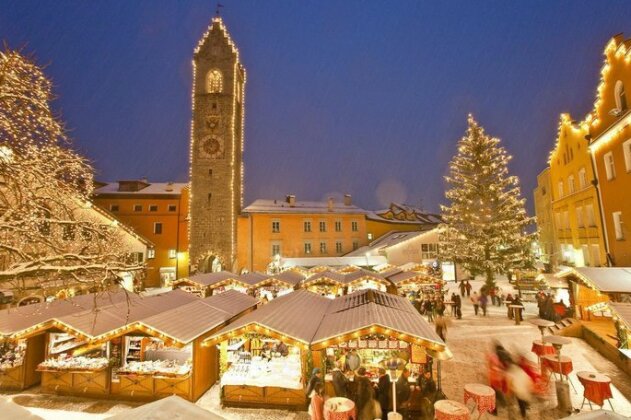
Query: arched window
(621, 99)
(214, 81)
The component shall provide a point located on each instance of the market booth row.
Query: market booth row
(256, 284)
(270, 352)
(132, 347)
(332, 284)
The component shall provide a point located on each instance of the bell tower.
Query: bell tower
(216, 151)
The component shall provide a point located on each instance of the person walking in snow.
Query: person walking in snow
(468, 288)
(475, 300)
(462, 288)
(484, 301)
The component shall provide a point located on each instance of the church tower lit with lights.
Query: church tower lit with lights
(216, 151)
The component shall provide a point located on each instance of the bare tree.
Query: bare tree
(49, 234)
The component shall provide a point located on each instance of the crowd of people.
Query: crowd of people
(374, 400)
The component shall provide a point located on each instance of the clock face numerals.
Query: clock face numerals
(212, 147)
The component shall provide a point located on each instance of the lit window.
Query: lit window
(137, 207)
(153, 207)
(214, 81)
(429, 251)
(157, 228)
(151, 253)
(610, 168)
(275, 226)
(338, 247)
(307, 248)
(579, 217)
(307, 226)
(370, 236)
(172, 253)
(626, 149)
(617, 224)
(589, 215)
(621, 99)
(114, 208)
(354, 226)
(582, 178)
(322, 226)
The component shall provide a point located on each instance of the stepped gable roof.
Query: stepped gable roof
(403, 213)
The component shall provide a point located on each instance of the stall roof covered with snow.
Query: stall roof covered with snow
(603, 279)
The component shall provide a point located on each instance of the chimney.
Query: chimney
(330, 204)
(291, 199)
(169, 186)
(347, 200)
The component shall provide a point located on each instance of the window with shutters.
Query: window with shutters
(617, 224)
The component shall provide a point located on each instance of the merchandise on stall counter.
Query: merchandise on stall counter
(157, 367)
(283, 372)
(75, 363)
(12, 354)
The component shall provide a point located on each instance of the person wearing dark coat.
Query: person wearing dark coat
(403, 392)
(462, 288)
(340, 383)
(384, 389)
(316, 376)
(458, 306)
(365, 396)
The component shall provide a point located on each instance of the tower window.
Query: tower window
(157, 228)
(210, 172)
(214, 81)
(210, 196)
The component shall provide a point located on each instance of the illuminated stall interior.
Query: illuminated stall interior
(259, 371)
(412, 282)
(327, 283)
(136, 348)
(370, 326)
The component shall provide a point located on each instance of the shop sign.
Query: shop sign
(372, 344)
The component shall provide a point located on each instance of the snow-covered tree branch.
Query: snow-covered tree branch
(49, 234)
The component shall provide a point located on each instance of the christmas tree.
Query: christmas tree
(485, 223)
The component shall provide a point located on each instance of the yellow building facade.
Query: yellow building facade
(548, 248)
(610, 131)
(290, 228)
(158, 212)
(575, 206)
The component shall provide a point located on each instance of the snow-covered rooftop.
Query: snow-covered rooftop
(389, 239)
(299, 206)
(144, 188)
(403, 213)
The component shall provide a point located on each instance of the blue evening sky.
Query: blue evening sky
(365, 97)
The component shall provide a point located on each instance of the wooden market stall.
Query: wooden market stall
(368, 326)
(140, 348)
(363, 279)
(408, 282)
(326, 283)
(271, 370)
(272, 286)
(207, 284)
(24, 334)
(590, 289)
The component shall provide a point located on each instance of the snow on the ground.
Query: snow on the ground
(469, 339)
